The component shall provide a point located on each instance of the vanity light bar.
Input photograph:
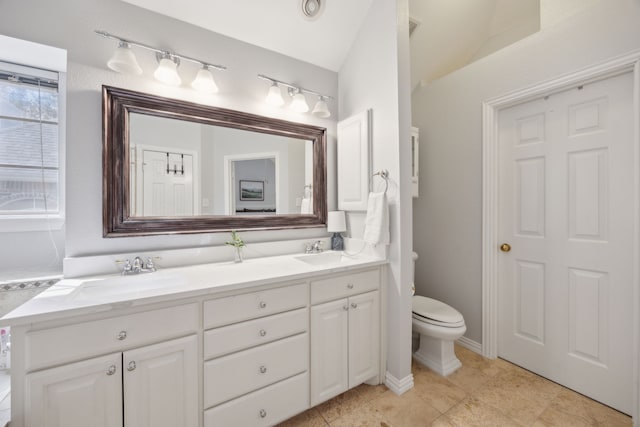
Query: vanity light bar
(294, 87)
(124, 61)
(299, 103)
(160, 51)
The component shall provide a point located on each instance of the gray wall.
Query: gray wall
(448, 213)
(69, 24)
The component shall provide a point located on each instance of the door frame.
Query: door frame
(229, 181)
(490, 195)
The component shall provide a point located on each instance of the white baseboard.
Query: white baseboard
(472, 345)
(398, 386)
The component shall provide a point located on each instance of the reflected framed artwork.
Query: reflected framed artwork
(251, 190)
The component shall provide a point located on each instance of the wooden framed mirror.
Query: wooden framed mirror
(172, 166)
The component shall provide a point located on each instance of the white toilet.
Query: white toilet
(438, 326)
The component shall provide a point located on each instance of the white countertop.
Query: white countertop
(99, 294)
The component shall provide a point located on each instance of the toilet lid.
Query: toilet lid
(435, 310)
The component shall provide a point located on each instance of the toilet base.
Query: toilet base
(438, 355)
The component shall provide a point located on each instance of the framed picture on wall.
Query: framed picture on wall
(252, 190)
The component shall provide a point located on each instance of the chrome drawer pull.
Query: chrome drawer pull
(354, 305)
(350, 286)
(263, 332)
(111, 370)
(263, 369)
(122, 335)
(263, 413)
(263, 304)
(132, 366)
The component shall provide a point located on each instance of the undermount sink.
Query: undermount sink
(126, 285)
(323, 258)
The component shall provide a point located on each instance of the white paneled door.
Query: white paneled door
(566, 267)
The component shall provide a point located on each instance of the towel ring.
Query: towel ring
(384, 174)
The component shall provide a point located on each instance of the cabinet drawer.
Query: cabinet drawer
(224, 311)
(265, 407)
(49, 347)
(345, 285)
(228, 339)
(231, 376)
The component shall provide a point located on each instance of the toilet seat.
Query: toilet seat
(435, 312)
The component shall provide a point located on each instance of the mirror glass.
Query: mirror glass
(181, 168)
(171, 166)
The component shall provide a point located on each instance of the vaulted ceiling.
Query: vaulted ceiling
(277, 25)
(450, 34)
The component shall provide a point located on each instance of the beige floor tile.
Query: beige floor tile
(443, 421)
(370, 392)
(408, 410)
(363, 416)
(436, 390)
(472, 412)
(553, 418)
(341, 405)
(310, 418)
(519, 394)
(572, 403)
(469, 378)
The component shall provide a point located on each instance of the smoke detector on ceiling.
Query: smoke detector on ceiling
(311, 9)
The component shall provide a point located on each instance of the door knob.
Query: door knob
(505, 247)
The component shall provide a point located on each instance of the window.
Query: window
(30, 160)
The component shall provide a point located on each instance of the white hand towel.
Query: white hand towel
(306, 207)
(376, 224)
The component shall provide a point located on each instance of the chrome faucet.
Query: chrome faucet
(314, 248)
(138, 266)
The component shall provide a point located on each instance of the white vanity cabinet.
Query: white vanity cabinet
(147, 385)
(246, 354)
(87, 393)
(345, 333)
(256, 357)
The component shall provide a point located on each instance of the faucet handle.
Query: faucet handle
(149, 265)
(308, 247)
(126, 269)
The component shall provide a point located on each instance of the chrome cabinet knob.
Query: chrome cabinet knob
(122, 335)
(263, 369)
(345, 307)
(350, 285)
(111, 370)
(354, 305)
(132, 366)
(263, 413)
(263, 332)
(263, 304)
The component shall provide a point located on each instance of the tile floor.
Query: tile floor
(482, 393)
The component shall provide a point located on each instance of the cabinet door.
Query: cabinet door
(329, 350)
(364, 337)
(87, 393)
(161, 385)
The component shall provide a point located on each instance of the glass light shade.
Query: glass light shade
(336, 222)
(321, 109)
(124, 61)
(167, 72)
(204, 81)
(299, 103)
(274, 97)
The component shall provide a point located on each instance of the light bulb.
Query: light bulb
(124, 61)
(274, 97)
(204, 81)
(321, 109)
(167, 71)
(299, 103)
